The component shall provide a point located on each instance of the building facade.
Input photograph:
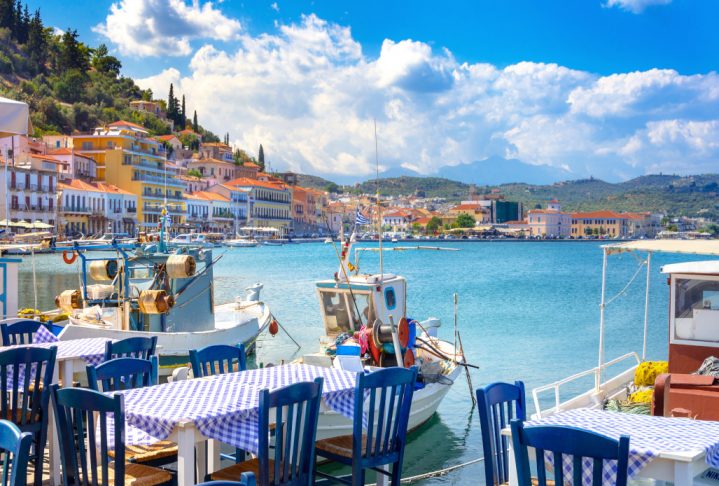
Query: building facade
(550, 222)
(127, 158)
(29, 191)
(269, 203)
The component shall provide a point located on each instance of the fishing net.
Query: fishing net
(710, 367)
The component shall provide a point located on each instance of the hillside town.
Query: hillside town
(120, 180)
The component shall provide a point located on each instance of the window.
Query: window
(696, 307)
(390, 298)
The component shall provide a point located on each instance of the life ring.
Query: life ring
(71, 259)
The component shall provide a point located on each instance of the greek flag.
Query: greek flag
(361, 219)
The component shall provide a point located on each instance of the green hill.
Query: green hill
(70, 86)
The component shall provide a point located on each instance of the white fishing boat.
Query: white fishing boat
(693, 337)
(370, 309)
(190, 240)
(153, 291)
(328, 240)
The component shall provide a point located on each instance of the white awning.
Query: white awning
(14, 116)
(693, 247)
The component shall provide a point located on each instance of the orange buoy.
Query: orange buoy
(274, 327)
(403, 332)
(408, 358)
(69, 259)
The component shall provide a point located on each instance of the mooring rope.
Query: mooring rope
(439, 472)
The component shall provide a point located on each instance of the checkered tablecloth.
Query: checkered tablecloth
(648, 436)
(224, 407)
(91, 350)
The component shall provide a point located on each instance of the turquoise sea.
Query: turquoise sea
(527, 311)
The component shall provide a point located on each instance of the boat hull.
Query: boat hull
(233, 325)
(424, 404)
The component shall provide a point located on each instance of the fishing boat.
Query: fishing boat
(273, 243)
(693, 322)
(156, 291)
(365, 316)
(190, 240)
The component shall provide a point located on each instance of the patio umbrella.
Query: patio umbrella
(40, 225)
(22, 224)
(14, 118)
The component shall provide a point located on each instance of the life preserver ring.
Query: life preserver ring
(69, 259)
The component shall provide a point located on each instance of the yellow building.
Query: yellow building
(599, 223)
(127, 158)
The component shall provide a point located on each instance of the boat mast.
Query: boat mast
(379, 206)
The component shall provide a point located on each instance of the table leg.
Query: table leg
(185, 455)
(201, 449)
(213, 456)
(683, 473)
(52, 440)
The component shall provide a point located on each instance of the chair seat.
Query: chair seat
(234, 472)
(148, 453)
(338, 446)
(138, 475)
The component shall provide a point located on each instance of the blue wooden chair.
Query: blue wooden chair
(247, 479)
(133, 347)
(291, 462)
(389, 394)
(85, 449)
(578, 443)
(21, 331)
(217, 359)
(498, 404)
(25, 378)
(15, 448)
(123, 374)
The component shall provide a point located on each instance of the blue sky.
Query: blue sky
(610, 88)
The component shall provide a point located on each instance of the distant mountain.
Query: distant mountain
(428, 186)
(497, 170)
(398, 172)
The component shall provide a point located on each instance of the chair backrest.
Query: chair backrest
(84, 446)
(388, 394)
(586, 448)
(246, 479)
(15, 448)
(217, 359)
(25, 378)
(498, 404)
(133, 347)
(19, 332)
(296, 412)
(123, 374)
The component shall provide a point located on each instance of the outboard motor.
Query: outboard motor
(431, 325)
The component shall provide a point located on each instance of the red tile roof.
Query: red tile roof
(60, 151)
(246, 182)
(123, 123)
(599, 215)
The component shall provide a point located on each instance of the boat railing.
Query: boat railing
(597, 372)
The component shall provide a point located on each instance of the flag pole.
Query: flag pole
(379, 206)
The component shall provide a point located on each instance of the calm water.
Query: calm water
(527, 310)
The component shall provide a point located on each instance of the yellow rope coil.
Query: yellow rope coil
(103, 270)
(69, 300)
(155, 302)
(647, 372)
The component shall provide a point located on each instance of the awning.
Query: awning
(693, 247)
(14, 117)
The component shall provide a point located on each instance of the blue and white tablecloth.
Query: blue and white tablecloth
(90, 350)
(225, 407)
(648, 436)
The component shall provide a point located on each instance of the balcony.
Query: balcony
(131, 210)
(157, 208)
(223, 215)
(75, 209)
(20, 186)
(45, 188)
(169, 180)
(33, 187)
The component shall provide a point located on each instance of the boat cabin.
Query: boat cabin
(693, 337)
(693, 314)
(347, 306)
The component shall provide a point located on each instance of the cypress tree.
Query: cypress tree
(183, 117)
(261, 158)
(7, 14)
(24, 26)
(37, 43)
(195, 127)
(172, 104)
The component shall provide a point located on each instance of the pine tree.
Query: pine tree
(24, 26)
(17, 20)
(73, 53)
(37, 43)
(195, 127)
(261, 158)
(183, 117)
(7, 14)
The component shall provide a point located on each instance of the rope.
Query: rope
(439, 472)
(626, 287)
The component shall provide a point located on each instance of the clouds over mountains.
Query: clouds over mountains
(309, 94)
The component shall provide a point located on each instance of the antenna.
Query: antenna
(379, 206)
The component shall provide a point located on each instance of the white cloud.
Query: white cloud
(275, 7)
(636, 6)
(164, 27)
(309, 94)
